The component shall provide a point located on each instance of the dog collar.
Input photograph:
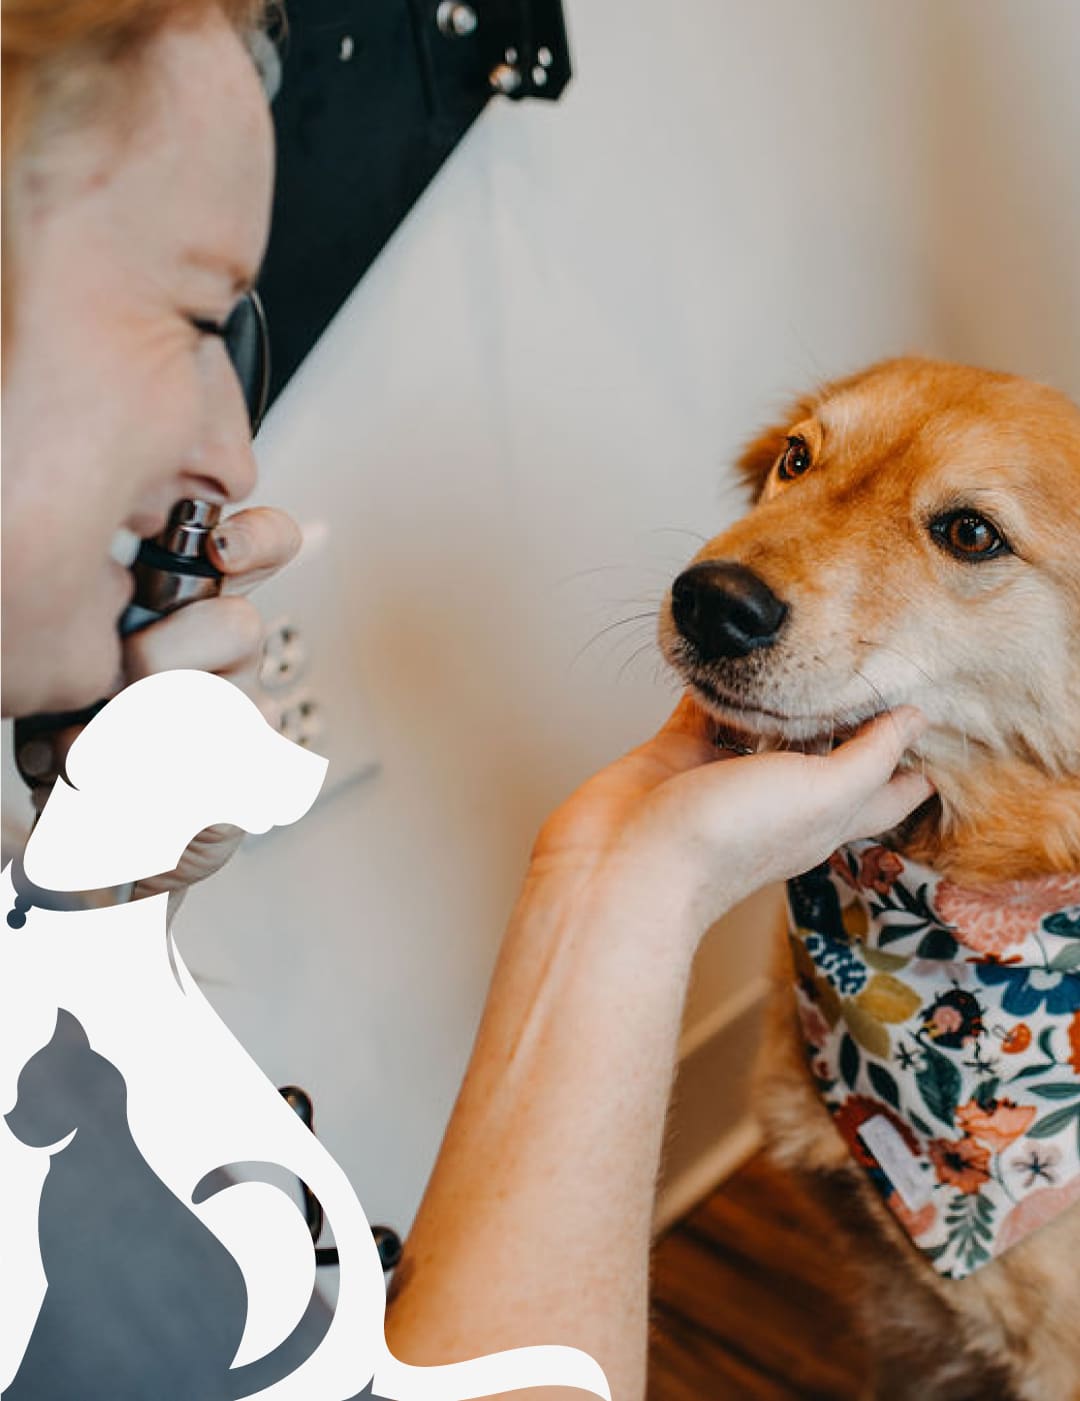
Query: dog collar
(942, 1030)
(26, 896)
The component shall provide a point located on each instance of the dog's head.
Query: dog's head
(916, 538)
(170, 755)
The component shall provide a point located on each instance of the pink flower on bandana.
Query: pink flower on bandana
(815, 1028)
(996, 1124)
(945, 1021)
(839, 866)
(1036, 1210)
(879, 869)
(997, 917)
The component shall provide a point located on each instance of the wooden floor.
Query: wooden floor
(747, 1302)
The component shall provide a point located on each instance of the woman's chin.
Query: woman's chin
(86, 671)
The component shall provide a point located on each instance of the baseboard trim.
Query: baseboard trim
(711, 1129)
(725, 1014)
(706, 1173)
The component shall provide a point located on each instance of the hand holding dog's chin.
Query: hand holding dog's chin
(678, 833)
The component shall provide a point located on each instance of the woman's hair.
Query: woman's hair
(55, 50)
(61, 59)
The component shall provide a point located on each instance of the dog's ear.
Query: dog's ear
(757, 459)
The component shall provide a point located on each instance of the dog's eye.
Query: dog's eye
(794, 460)
(968, 535)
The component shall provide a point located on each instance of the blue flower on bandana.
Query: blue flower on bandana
(834, 957)
(1027, 989)
(815, 904)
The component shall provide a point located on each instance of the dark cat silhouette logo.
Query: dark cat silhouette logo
(91, 1230)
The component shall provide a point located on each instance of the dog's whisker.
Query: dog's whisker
(887, 647)
(941, 694)
(815, 372)
(882, 702)
(678, 530)
(611, 568)
(650, 600)
(632, 657)
(619, 623)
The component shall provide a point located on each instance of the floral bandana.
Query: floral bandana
(942, 1028)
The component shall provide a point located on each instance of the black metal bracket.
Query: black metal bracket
(387, 1240)
(368, 102)
(516, 48)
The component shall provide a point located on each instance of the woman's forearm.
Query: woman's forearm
(535, 1226)
(536, 1223)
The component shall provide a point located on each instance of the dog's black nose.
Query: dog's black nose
(725, 610)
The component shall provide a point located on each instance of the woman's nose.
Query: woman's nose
(225, 458)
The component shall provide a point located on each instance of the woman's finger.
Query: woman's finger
(888, 806)
(251, 545)
(870, 762)
(875, 751)
(221, 634)
(688, 718)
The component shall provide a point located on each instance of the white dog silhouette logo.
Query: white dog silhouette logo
(104, 994)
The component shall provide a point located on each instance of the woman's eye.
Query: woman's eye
(794, 460)
(969, 536)
(207, 327)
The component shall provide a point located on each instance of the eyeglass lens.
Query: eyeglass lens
(247, 341)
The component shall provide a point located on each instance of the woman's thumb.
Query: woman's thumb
(688, 718)
(878, 747)
(869, 761)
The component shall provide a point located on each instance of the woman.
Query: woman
(137, 191)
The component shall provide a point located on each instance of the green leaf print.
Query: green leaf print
(1054, 1123)
(937, 943)
(884, 1084)
(1066, 959)
(1044, 1068)
(849, 1061)
(986, 1093)
(969, 1225)
(919, 1124)
(1064, 925)
(939, 1085)
(1056, 1091)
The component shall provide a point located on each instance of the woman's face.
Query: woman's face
(114, 404)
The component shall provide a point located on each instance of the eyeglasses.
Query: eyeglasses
(246, 337)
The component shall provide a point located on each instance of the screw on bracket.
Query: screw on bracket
(455, 20)
(505, 78)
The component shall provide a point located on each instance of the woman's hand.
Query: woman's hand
(221, 635)
(561, 1114)
(698, 828)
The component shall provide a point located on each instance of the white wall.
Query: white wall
(1003, 175)
(522, 410)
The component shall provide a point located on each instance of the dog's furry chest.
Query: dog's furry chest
(942, 1030)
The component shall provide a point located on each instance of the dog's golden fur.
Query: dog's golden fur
(881, 613)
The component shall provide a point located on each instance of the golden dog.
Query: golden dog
(916, 539)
